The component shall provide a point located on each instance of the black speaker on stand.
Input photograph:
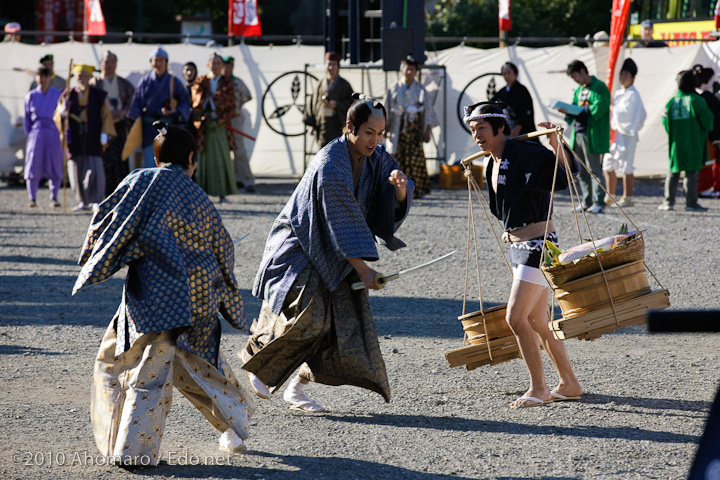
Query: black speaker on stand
(403, 32)
(397, 43)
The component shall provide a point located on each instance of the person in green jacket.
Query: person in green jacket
(687, 121)
(590, 136)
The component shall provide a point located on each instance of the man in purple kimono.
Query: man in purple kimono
(159, 96)
(44, 157)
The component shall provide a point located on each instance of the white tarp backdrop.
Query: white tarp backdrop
(542, 71)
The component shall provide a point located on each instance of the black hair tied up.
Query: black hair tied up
(161, 127)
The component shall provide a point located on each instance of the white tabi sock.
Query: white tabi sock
(295, 392)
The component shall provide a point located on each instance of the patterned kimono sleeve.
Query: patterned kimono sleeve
(113, 237)
(387, 214)
(348, 231)
(231, 305)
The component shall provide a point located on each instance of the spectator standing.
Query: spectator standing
(12, 32)
(687, 121)
(213, 102)
(647, 34)
(409, 124)
(519, 102)
(626, 119)
(241, 160)
(190, 74)
(89, 126)
(44, 155)
(119, 95)
(590, 137)
(709, 179)
(329, 103)
(159, 96)
(55, 81)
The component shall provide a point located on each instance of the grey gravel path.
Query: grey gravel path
(647, 396)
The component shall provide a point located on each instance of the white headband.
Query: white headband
(163, 130)
(476, 115)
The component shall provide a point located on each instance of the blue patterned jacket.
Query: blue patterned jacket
(180, 257)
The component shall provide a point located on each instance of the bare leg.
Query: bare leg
(611, 182)
(628, 185)
(524, 299)
(568, 384)
(527, 317)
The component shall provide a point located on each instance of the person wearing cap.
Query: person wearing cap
(12, 32)
(89, 126)
(590, 135)
(410, 121)
(241, 160)
(626, 119)
(647, 33)
(166, 333)
(352, 195)
(325, 114)
(520, 176)
(159, 95)
(213, 103)
(43, 152)
(56, 80)
(119, 95)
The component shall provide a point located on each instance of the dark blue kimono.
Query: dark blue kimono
(325, 222)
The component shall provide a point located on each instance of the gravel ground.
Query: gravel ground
(647, 396)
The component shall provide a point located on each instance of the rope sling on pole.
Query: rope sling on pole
(574, 194)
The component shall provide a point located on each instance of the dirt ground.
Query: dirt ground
(646, 401)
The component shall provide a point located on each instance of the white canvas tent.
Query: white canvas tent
(542, 70)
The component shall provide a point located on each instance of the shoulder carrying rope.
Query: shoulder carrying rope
(574, 194)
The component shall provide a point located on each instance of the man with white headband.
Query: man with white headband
(520, 177)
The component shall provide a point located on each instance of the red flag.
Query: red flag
(717, 15)
(243, 19)
(620, 11)
(504, 14)
(95, 18)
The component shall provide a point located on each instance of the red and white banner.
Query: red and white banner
(504, 14)
(717, 15)
(95, 20)
(243, 19)
(618, 24)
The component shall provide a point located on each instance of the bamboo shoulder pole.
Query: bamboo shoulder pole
(538, 133)
(469, 159)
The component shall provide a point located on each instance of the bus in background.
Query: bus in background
(672, 22)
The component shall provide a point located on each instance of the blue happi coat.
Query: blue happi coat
(325, 223)
(180, 258)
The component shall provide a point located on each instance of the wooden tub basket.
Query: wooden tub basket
(631, 251)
